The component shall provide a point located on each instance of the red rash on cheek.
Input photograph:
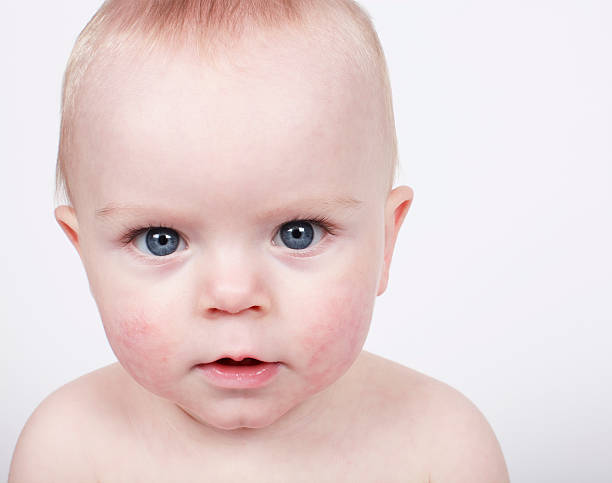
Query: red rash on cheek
(140, 344)
(134, 331)
(337, 329)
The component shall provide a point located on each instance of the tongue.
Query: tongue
(244, 362)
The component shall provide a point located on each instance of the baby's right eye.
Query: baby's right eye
(159, 241)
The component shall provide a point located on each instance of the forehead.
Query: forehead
(281, 115)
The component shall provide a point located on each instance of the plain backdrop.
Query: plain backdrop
(501, 284)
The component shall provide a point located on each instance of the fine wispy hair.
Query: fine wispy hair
(211, 28)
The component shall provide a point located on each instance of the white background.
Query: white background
(502, 279)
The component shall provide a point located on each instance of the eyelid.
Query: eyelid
(132, 233)
(152, 259)
(323, 221)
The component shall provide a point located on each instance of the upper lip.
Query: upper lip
(239, 358)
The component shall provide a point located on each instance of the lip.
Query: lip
(239, 377)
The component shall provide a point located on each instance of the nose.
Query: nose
(233, 285)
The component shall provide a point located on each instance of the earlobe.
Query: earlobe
(67, 220)
(396, 208)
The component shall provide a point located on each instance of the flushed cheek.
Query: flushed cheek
(143, 344)
(337, 326)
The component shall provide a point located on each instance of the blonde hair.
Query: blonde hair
(211, 25)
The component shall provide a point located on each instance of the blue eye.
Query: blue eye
(298, 234)
(158, 241)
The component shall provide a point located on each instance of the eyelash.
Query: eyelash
(139, 230)
(322, 221)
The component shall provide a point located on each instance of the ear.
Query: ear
(67, 220)
(396, 208)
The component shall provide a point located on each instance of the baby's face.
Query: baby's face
(228, 165)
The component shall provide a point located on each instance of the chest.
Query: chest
(371, 438)
(354, 459)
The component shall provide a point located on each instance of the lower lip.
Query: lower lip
(239, 377)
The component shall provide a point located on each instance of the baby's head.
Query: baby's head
(228, 169)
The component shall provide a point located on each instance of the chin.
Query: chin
(232, 422)
(237, 415)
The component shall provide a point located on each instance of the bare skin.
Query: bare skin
(133, 436)
(383, 422)
(226, 157)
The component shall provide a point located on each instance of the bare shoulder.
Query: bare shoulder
(55, 443)
(448, 432)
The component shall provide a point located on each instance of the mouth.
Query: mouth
(246, 373)
(247, 361)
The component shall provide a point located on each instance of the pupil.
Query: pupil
(163, 239)
(296, 233)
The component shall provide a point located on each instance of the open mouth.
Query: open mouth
(247, 361)
(248, 373)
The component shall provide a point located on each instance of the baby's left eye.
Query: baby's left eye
(299, 234)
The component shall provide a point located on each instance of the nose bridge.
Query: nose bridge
(233, 281)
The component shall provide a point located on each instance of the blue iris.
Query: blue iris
(297, 234)
(162, 241)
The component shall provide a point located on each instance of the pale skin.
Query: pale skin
(225, 155)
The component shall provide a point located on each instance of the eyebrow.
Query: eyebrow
(339, 202)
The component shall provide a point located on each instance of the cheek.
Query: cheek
(338, 315)
(142, 342)
(141, 322)
(338, 324)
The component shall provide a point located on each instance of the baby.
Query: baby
(227, 169)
